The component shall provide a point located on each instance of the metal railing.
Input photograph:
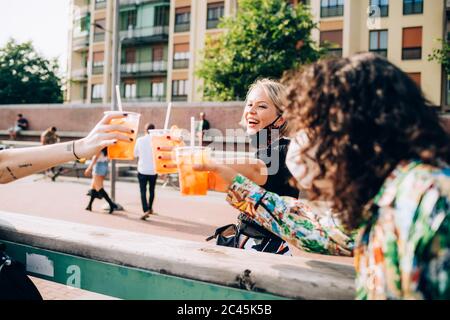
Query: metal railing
(100, 5)
(97, 69)
(182, 27)
(411, 53)
(99, 37)
(79, 74)
(155, 66)
(145, 32)
(335, 11)
(136, 2)
(145, 99)
(212, 24)
(181, 64)
(80, 41)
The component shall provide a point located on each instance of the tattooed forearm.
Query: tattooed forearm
(11, 173)
(26, 165)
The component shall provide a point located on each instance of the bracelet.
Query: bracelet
(73, 150)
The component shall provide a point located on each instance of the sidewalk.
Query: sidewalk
(55, 291)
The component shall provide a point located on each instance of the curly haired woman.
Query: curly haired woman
(367, 141)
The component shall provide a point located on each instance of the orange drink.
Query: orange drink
(124, 150)
(192, 183)
(159, 139)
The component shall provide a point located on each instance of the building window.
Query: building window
(378, 42)
(128, 20)
(99, 30)
(179, 90)
(383, 5)
(412, 43)
(130, 90)
(215, 13)
(129, 56)
(412, 7)
(181, 56)
(182, 19)
(157, 89)
(162, 16)
(331, 8)
(97, 92)
(416, 77)
(100, 4)
(98, 62)
(333, 39)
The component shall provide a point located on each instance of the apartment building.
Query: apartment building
(162, 42)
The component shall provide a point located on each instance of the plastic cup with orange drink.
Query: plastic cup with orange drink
(192, 183)
(124, 150)
(161, 144)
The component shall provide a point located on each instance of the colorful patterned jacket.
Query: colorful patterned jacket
(401, 252)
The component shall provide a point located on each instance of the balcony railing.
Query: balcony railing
(136, 2)
(100, 5)
(145, 32)
(212, 24)
(411, 53)
(97, 69)
(79, 74)
(145, 99)
(381, 52)
(336, 11)
(182, 27)
(180, 98)
(181, 64)
(80, 41)
(99, 37)
(155, 66)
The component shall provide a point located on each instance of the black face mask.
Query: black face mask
(263, 138)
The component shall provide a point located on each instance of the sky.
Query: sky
(44, 22)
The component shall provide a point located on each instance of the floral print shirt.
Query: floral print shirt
(401, 252)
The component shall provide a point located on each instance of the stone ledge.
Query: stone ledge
(291, 277)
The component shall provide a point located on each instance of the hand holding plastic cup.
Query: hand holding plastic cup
(124, 150)
(163, 145)
(192, 183)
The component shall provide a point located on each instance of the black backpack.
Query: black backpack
(14, 282)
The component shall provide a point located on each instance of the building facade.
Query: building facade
(162, 41)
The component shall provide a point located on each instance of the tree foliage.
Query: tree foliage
(442, 55)
(265, 39)
(26, 76)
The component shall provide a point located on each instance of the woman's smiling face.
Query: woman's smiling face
(259, 111)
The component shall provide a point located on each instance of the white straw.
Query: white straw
(166, 123)
(119, 100)
(192, 131)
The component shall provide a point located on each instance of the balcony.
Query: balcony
(100, 4)
(99, 37)
(97, 69)
(143, 69)
(180, 98)
(181, 64)
(182, 27)
(335, 11)
(80, 41)
(136, 2)
(412, 53)
(145, 35)
(79, 74)
(145, 99)
(212, 24)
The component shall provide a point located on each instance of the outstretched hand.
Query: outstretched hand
(104, 134)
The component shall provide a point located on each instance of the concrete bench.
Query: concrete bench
(130, 265)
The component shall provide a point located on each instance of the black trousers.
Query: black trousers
(145, 179)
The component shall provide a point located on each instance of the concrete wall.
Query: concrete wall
(82, 118)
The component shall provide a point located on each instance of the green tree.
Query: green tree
(265, 39)
(442, 55)
(27, 77)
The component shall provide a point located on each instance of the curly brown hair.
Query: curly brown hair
(366, 116)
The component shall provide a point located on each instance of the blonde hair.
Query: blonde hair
(276, 92)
